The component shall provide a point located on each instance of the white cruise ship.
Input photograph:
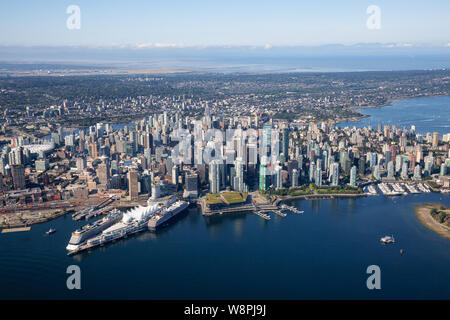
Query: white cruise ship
(80, 236)
(133, 221)
(166, 214)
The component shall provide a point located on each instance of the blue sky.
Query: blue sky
(213, 22)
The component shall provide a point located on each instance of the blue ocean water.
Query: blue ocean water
(321, 254)
(430, 114)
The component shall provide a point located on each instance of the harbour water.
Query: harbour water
(431, 114)
(322, 253)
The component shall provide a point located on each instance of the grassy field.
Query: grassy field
(231, 197)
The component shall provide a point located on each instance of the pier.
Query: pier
(94, 211)
(16, 229)
(262, 215)
(291, 208)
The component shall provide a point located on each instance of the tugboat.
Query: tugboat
(50, 231)
(387, 239)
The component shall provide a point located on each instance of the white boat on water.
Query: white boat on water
(387, 239)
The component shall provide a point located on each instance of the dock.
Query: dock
(262, 215)
(291, 208)
(94, 211)
(16, 229)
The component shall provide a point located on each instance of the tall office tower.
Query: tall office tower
(18, 176)
(148, 140)
(278, 177)
(285, 145)
(239, 181)
(353, 176)
(214, 176)
(294, 180)
(133, 185)
(417, 173)
(103, 174)
(435, 140)
(318, 177)
(252, 154)
(263, 177)
(191, 184)
(334, 172)
(390, 170)
(133, 139)
(174, 174)
(266, 141)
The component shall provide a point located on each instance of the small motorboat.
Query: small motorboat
(387, 239)
(50, 231)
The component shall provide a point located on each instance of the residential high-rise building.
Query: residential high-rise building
(285, 145)
(353, 176)
(390, 170)
(435, 142)
(294, 182)
(417, 173)
(278, 177)
(318, 176)
(404, 173)
(334, 174)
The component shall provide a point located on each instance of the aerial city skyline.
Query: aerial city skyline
(224, 154)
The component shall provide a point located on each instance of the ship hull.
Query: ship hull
(167, 218)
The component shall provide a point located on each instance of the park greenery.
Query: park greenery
(441, 215)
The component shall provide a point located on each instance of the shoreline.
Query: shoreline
(318, 196)
(387, 104)
(422, 212)
(24, 225)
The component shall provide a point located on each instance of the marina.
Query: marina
(397, 188)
